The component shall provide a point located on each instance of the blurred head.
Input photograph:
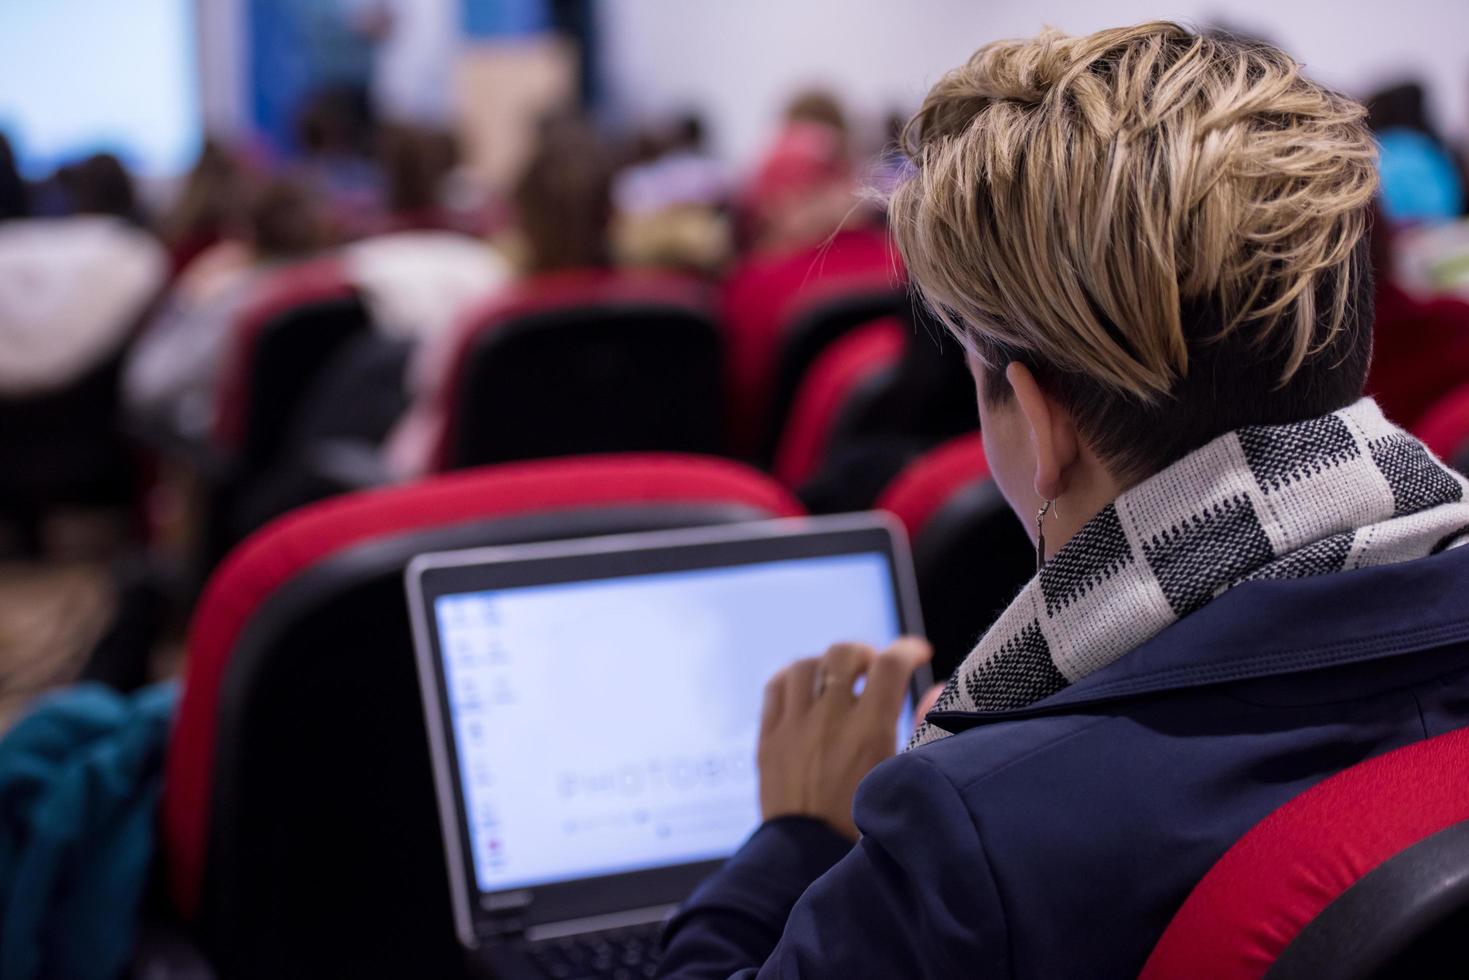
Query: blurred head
(415, 161)
(285, 222)
(1144, 238)
(802, 191)
(212, 199)
(564, 198)
(820, 107)
(14, 197)
(100, 184)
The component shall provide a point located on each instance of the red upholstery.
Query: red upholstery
(847, 364)
(767, 291)
(557, 291)
(316, 281)
(923, 488)
(1295, 862)
(296, 542)
(1420, 352)
(1445, 426)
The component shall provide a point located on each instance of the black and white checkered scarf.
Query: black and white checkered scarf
(1343, 491)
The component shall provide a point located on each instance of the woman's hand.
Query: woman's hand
(818, 739)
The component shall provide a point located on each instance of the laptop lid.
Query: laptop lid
(593, 705)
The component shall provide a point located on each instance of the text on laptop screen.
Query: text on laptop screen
(609, 726)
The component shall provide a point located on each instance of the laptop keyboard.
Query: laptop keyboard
(621, 954)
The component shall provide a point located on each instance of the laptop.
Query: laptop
(593, 708)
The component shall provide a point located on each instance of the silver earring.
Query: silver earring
(1040, 535)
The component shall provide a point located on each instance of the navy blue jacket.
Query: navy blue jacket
(1058, 840)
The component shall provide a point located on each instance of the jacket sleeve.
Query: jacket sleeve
(915, 897)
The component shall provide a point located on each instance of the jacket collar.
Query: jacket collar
(1273, 627)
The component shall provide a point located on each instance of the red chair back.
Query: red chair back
(1329, 885)
(1444, 428)
(969, 552)
(299, 319)
(298, 814)
(585, 362)
(841, 374)
(1420, 351)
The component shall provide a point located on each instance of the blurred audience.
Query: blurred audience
(72, 289)
(1422, 181)
(170, 378)
(670, 204)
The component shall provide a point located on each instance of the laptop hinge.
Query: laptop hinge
(600, 923)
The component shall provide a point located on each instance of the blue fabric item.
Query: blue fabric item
(1059, 839)
(1419, 179)
(80, 777)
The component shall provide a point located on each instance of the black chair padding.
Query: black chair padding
(971, 558)
(803, 340)
(1405, 918)
(630, 377)
(324, 856)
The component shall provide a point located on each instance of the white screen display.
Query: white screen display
(82, 76)
(610, 726)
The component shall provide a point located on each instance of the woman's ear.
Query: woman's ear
(1052, 432)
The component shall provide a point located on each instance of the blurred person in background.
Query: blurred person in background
(563, 207)
(15, 196)
(72, 289)
(802, 220)
(423, 267)
(670, 205)
(207, 208)
(335, 132)
(170, 379)
(1422, 179)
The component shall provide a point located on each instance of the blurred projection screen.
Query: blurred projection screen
(85, 76)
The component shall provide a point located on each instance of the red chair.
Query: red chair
(1420, 351)
(969, 552)
(766, 293)
(839, 377)
(585, 362)
(301, 319)
(1364, 875)
(299, 825)
(1445, 429)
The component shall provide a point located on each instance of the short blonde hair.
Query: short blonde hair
(1072, 198)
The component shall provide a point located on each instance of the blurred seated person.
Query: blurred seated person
(207, 207)
(1422, 181)
(334, 134)
(563, 204)
(422, 267)
(72, 289)
(170, 379)
(1248, 579)
(670, 209)
(805, 223)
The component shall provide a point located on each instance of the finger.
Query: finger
(891, 674)
(798, 686)
(841, 665)
(773, 705)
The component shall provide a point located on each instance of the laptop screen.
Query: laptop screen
(609, 726)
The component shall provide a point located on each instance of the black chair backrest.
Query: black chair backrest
(593, 379)
(323, 779)
(1405, 918)
(289, 355)
(809, 333)
(971, 558)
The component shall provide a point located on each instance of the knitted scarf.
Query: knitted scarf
(1343, 491)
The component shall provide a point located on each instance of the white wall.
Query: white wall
(739, 59)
